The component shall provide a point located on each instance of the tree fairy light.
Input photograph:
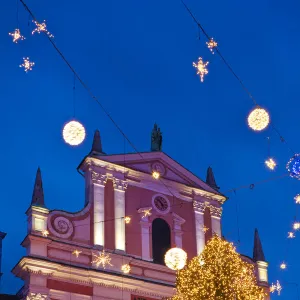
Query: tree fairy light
(283, 266)
(126, 268)
(175, 258)
(73, 133)
(291, 235)
(27, 64)
(297, 199)
(270, 163)
(258, 119)
(41, 27)
(201, 68)
(102, 259)
(211, 44)
(17, 36)
(293, 166)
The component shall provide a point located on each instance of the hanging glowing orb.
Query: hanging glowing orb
(73, 133)
(293, 166)
(258, 119)
(175, 259)
(283, 266)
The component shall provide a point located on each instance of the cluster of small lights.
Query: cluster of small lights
(27, 64)
(297, 199)
(201, 68)
(211, 44)
(258, 119)
(38, 296)
(126, 268)
(293, 166)
(276, 287)
(296, 226)
(102, 259)
(17, 36)
(73, 133)
(127, 220)
(175, 259)
(76, 253)
(291, 235)
(283, 266)
(45, 233)
(41, 27)
(155, 175)
(270, 163)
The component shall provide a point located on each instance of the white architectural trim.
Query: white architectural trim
(145, 233)
(177, 222)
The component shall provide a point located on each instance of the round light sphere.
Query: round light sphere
(293, 166)
(258, 119)
(73, 133)
(175, 259)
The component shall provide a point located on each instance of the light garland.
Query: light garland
(201, 68)
(211, 44)
(258, 119)
(175, 258)
(291, 235)
(126, 268)
(293, 166)
(270, 163)
(76, 253)
(45, 233)
(17, 36)
(283, 266)
(73, 133)
(102, 259)
(276, 288)
(127, 220)
(41, 27)
(27, 64)
(297, 199)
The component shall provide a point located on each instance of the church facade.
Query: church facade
(137, 206)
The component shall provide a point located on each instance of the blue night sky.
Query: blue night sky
(137, 58)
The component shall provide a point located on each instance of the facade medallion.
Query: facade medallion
(158, 167)
(62, 227)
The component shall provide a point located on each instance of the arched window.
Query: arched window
(161, 240)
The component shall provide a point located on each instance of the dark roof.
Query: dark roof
(8, 297)
(258, 253)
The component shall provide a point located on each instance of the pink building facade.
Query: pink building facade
(129, 217)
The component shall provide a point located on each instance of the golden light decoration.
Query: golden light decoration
(258, 119)
(147, 213)
(17, 36)
(102, 259)
(127, 220)
(283, 266)
(204, 229)
(76, 253)
(126, 268)
(175, 258)
(270, 163)
(27, 64)
(73, 133)
(291, 235)
(45, 233)
(155, 175)
(41, 27)
(297, 199)
(211, 44)
(296, 225)
(276, 287)
(201, 68)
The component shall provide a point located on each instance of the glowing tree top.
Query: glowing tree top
(218, 273)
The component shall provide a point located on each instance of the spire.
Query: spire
(38, 193)
(258, 253)
(156, 139)
(210, 179)
(97, 145)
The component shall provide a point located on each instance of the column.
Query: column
(119, 204)
(99, 181)
(199, 208)
(145, 232)
(177, 222)
(216, 213)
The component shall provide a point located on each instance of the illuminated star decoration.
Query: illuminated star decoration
(204, 229)
(297, 199)
(76, 253)
(127, 219)
(27, 64)
(16, 36)
(155, 175)
(270, 163)
(296, 226)
(126, 268)
(276, 287)
(211, 45)
(201, 68)
(147, 213)
(283, 266)
(45, 233)
(41, 27)
(293, 166)
(291, 235)
(102, 259)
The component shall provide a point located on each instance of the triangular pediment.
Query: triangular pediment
(169, 168)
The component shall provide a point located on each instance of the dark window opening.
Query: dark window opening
(161, 240)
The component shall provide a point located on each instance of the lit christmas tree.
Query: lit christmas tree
(218, 273)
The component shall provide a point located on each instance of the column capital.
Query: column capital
(98, 178)
(199, 206)
(215, 211)
(120, 184)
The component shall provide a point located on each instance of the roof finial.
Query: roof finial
(210, 179)
(38, 192)
(97, 145)
(156, 139)
(258, 253)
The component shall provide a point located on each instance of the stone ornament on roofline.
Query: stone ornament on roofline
(98, 178)
(37, 296)
(120, 184)
(215, 211)
(199, 206)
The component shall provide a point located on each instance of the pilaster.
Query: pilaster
(199, 208)
(145, 232)
(216, 213)
(177, 222)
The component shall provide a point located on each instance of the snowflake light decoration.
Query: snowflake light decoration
(76, 253)
(270, 163)
(296, 225)
(126, 268)
(201, 68)
(293, 166)
(283, 266)
(258, 119)
(297, 199)
(147, 213)
(17, 36)
(102, 259)
(291, 235)
(276, 287)
(211, 44)
(45, 233)
(41, 27)
(73, 133)
(27, 64)
(127, 219)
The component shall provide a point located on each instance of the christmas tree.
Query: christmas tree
(218, 273)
